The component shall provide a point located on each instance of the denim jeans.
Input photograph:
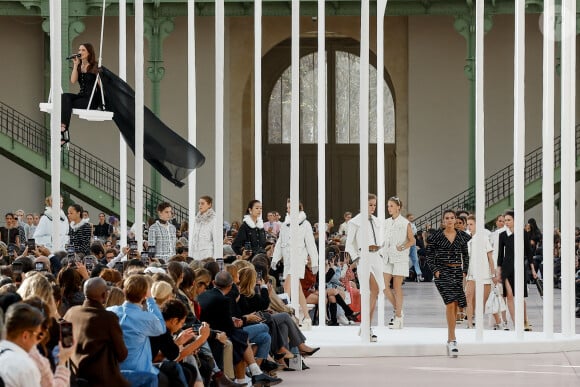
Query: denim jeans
(415, 260)
(260, 335)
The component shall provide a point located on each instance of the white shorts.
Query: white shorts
(397, 269)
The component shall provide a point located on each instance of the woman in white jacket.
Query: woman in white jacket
(202, 232)
(306, 247)
(43, 233)
(398, 239)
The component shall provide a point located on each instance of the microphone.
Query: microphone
(74, 56)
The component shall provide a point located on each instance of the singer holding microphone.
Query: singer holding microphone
(84, 71)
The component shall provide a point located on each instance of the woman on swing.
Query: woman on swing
(84, 71)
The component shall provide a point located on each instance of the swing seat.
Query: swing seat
(93, 115)
(45, 107)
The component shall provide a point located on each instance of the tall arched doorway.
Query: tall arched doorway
(342, 132)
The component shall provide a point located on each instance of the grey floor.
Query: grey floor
(423, 307)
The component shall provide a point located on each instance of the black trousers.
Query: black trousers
(71, 101)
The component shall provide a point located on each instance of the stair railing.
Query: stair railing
(87, 167)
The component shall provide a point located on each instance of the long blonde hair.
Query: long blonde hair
(38, 286)
(247, 281)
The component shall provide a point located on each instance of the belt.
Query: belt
(374, 249)
(452, 264)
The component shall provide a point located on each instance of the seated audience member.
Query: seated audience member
(186, 343)
(61, 376)
(98, 337)
(22, 324)
(215, 310)
(139, 325)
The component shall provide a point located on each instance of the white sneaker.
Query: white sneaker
(306, 324)
(452, 350)
(398, 323)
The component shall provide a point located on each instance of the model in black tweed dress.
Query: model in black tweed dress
(448, 259)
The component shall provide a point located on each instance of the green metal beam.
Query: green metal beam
(82, 8)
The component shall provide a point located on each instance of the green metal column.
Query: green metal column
(465, 25)
(156, 29)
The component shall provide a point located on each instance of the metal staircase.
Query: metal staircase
(499, 188)
(84, 175)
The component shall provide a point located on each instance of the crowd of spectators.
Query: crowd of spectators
(162, 315)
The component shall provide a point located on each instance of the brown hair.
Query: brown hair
(135, 288)
(207, 199)
(247, 281)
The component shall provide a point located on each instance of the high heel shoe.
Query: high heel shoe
(309, 353)
(353, 317)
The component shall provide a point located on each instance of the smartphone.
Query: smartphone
(17, 267)
(330, 256)
(151, 251)
(39, 266)
(66, 334)
(89, 263)
(10, 249)
(70, 251)
(248, 246)
(220, 262)
(119, 267)
(31, 245)
(259, 275)
(145, 258)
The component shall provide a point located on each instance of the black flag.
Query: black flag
(166, 151)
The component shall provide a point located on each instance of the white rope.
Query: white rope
(98, 80)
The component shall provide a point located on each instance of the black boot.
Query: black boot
(347, 310)
(332, 312)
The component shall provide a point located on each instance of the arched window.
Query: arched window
(344, 81)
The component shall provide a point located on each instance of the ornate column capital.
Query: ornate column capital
(156, 29)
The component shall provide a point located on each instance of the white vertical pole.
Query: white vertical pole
(55, 118)
(219, 125)
(258, 99)
(122, 143)
(139, 122)
(519, 163)
(381, 199)
(295, 152)
(191, 113)
(568, 158)
(364, 169)
(322, 129)
(548, 166)
(478, 243)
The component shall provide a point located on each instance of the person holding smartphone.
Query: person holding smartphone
(61, 375)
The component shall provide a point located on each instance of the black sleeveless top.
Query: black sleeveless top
(86, 82)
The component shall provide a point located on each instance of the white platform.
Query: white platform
(345, 342)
